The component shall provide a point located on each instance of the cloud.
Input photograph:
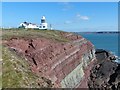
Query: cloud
(80, 17)
(66, 6)
(76, 19)
(67, 22)
(84, 18)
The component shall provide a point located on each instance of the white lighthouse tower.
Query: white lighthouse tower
(43, 24)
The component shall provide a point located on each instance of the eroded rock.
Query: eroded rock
(106, 73)
(64, 63)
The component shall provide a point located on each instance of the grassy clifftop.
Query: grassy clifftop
(49, 34)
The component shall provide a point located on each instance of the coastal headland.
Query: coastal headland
(54, 59)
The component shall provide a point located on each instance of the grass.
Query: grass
(16, 72)
(49, 34)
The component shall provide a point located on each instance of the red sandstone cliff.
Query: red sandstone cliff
(67, 64)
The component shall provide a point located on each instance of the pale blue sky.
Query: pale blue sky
(73, 16)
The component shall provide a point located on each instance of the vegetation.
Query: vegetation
(16, 72)
(29, 33)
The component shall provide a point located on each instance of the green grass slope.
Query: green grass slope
(16, 72)
(49, 34)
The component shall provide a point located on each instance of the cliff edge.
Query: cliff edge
(63, 59)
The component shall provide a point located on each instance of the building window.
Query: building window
(43, 26)
(42, 21)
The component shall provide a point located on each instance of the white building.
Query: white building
(43, 24)
(28, 25)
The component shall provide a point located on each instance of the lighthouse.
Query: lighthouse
(43, 24)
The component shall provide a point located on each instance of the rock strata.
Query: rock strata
(66, 64)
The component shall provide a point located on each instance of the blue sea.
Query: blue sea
(104, 41)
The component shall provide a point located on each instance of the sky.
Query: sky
(66, 16)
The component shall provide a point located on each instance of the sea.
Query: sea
(106, 41)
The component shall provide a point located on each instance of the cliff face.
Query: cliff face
(66, 64)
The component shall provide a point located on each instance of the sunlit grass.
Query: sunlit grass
(50, 34)
(16, 72)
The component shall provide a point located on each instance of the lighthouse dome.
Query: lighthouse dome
(43, 17)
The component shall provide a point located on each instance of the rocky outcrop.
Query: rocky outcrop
(66, 64)
(106, 73)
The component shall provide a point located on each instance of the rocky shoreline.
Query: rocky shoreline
(105, 74)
